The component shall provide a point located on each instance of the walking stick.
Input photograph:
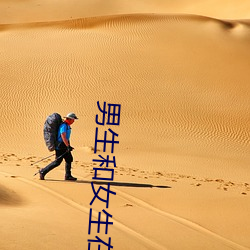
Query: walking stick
(48, 157)
(41, 159)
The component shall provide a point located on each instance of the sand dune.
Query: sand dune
(37, 11)
(182, 179)
(199, 110)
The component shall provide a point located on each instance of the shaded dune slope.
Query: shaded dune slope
(9, 197)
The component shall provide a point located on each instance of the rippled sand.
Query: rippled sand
(182, 177)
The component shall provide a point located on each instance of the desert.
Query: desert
(180, 73)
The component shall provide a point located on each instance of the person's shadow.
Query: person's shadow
(115, 183)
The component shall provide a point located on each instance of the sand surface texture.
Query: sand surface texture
(181, 74)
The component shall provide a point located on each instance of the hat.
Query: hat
(71, 116)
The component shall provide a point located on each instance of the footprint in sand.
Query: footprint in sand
(128, 205)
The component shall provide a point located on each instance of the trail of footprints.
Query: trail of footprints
(220, 184)
(125, 228)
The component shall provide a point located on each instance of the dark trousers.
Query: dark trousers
(60, 155)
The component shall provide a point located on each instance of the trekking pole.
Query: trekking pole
(48, 157)
(42, 159)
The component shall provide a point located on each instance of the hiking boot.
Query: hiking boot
(41, 175)
(70, 178)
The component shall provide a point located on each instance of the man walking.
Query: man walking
(63, 150)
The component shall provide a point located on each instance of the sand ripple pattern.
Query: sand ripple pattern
(173, 92)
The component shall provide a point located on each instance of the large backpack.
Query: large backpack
(50, 130)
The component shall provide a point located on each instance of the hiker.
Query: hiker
(63, 149)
